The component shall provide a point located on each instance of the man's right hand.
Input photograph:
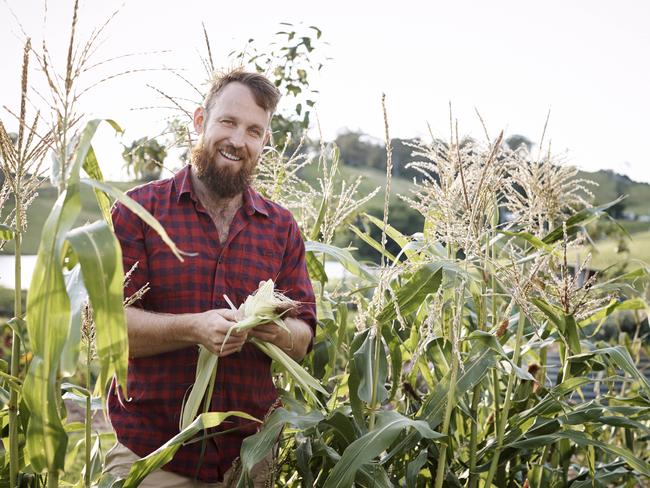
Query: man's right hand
(212, 328)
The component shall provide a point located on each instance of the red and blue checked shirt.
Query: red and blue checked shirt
(264, 242)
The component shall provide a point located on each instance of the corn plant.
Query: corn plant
(74, 264)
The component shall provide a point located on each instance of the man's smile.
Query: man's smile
(229, 156)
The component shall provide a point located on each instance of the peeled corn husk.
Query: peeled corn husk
(265, 305)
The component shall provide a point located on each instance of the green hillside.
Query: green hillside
(610, 185)
(40, 208)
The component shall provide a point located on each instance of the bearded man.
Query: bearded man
(238, 239)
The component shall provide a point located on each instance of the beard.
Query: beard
(225, 182)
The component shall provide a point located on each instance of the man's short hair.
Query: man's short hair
(265, 93)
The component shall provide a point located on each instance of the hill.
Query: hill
(610, 185)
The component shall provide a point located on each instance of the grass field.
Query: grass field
(606, 253)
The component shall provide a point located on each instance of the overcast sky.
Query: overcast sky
(586, 61)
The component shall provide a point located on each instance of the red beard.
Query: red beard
(224, 182)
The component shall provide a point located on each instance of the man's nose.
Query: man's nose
(237, 138)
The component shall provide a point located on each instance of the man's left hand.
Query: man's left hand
(294, 342)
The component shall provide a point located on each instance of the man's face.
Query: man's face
(232, 135)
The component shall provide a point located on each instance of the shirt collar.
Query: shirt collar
(253, 201)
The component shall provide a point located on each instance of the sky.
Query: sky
(512, 61)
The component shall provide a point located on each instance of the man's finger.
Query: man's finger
(228, 314)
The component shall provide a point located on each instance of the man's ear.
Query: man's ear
(267, 136)
(199, 120)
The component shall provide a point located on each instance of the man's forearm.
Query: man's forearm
(153, 333)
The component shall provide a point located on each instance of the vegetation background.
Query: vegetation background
(469, 342)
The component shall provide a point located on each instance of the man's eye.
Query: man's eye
(227, 122)
(256, 132)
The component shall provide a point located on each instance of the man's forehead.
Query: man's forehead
(237, 96)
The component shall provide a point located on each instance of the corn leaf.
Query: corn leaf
(536, 242)
(92, 169)
(620, 357)
(389, 425)
(315, 268)
(48, 322)
(577, 221)
(6, 232)
(165, 453)
(100, 258)
(256, 447)
(344, 257)
(411, 295)
(367, 238)
(48, 318)
(205, 367)
(391, 231)
(581, 439)
(297, 372)
(76, 290)
(364, 362)
(140, 211)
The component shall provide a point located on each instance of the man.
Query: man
(240, 239)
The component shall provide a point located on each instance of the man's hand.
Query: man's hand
(212, 328)
(294, 342)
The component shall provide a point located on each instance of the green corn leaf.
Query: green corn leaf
(48, 318)
(140, 211)
(315, 268)
(391, 231)
(491, 341)
(551, 311)
(258, 446)
(411, 295)
(297, 372)
(603, 313)
(367, 238)
(6, 232)
(572, 332)
(48, 322)
(92, 169)
(165, 453)
(315, 231)
(205, 372)
(46, 439)
(473, 372)
(77, 293)
(19, 327)
(396, 363)
(413, 468)
(577, 221)
(100, 257)
(530, 239)
(344, 257)
(389, 425)
(581, 439)
(551, 402)
(364, 362)
(620, 357)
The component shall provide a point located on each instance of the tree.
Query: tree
(144, 159)
(290, 61)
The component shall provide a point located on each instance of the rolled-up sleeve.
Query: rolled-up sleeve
(293, 279)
